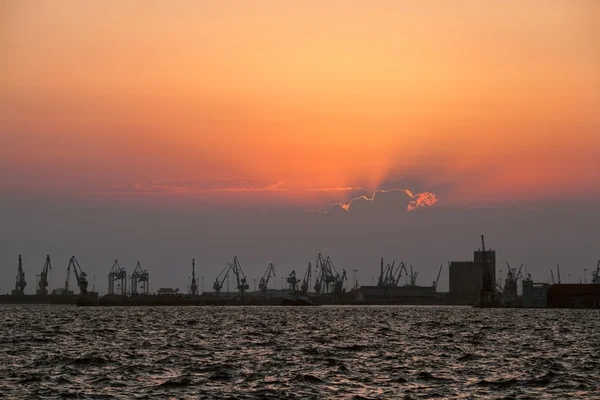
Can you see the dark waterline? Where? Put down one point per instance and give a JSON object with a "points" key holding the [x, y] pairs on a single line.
{"points": [[313, 352]]}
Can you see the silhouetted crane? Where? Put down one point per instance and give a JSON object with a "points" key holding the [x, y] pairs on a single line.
{"points": [[117, 273], [264, 281], [306, 280], [220, 279], [20, 282], [43, 283], [326, 275], [293, 281], [242, 285], [80, 276], [437, 280], [194, 284], [142, 276]]}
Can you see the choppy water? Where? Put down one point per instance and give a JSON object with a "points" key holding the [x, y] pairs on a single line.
{"points": [[280, 352]]}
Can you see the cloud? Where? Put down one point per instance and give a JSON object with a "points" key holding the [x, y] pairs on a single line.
{"points": [[385, 201]]}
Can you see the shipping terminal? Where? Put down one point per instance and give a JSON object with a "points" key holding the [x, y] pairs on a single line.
{"points": [[470, 283]]}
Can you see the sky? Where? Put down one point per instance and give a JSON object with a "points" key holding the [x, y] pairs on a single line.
{"points": [[273, 130]]}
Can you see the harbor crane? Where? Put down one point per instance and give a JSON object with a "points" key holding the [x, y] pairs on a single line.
{"points": [[220, 279], [42, 289], [142, 276], [242, 285], [306, 280], [437, 280], [413, 277], [401, 268], [558, 271], [510, 284], [194, 284], [596, 274], [264, 281], [80, 276], [293, 281], [326, 274], [338, 286], [20, 282], [117, 273]]}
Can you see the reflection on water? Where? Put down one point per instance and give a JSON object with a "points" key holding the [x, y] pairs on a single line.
{"points": [[318, 352]]}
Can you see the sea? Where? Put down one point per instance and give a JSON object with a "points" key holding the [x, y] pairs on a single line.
{"points": [[325, 352]]}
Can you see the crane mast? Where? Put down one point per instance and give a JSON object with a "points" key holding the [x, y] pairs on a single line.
{"points": [[43, 283]]}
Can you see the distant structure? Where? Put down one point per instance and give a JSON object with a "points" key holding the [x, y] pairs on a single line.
{"points": [[42, 289], [263, 285], [194, 284], [142, 277], [292, 280], [467, 277], [20, 282], [80, 277], [119, 275], [306, 281]]}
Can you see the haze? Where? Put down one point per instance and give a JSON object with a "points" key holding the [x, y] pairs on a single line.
{"points": [[160, 132]]}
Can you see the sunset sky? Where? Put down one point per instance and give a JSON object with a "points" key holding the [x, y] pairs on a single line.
{"points": [[273, 105]]}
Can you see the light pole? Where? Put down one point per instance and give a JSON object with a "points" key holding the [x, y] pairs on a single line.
{"points": [[569, 278], [585, 275], [282, 283], [355, 284], [255, 284], [202, 284]]}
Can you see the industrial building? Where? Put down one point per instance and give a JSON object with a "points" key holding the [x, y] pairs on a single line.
{"points": [[466, 277], [535, 295]]}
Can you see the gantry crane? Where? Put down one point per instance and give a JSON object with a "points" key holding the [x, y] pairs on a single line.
{"points": [[194, 284], [80, 276], [42, 289], [264, 281], [240, 277], [20, 281], [306, 280], [142, 276], [218, 285], [117, 273]]}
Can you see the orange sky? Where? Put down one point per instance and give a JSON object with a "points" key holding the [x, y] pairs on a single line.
{"points": [[231, 101]]}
